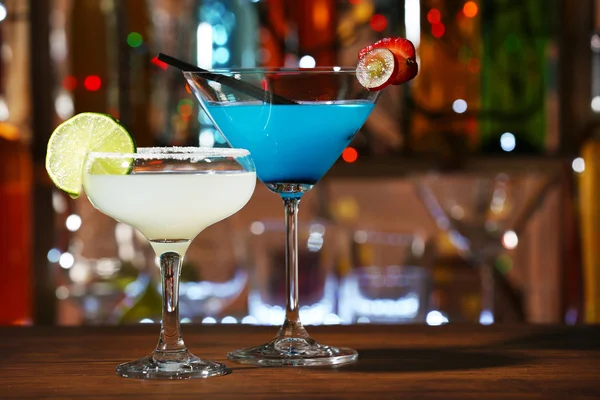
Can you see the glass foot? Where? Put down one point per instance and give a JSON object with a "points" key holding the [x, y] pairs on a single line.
{"points": [[181, 366], [294, 352]]}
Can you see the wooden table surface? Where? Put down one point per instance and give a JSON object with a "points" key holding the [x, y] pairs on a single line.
{"points": [[447, 362]]}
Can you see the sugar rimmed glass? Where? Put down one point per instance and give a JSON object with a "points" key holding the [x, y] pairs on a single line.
{"points": [[170, 195]]}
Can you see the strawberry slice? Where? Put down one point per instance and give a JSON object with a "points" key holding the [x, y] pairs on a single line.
{"points": [[390, 61]]}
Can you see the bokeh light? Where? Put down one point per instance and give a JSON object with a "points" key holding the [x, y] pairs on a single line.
{"points": [[92, 83], [459, 106], [595, 42], [307, 62], [470, 9], [578, 165], [438, 30], [134, 39], [220, 36], [64, 106], [206, 138], [596, 104], [434, 16], [185, 108], [510, 240], [221, 55], [66, 260], [436, 318], [508, 142], [69, 82], [73, 222], [504, 264], [54, 255], [378, 22], [257, 228], [350, 154], [363, 11], [250, 320], [486, 317]]}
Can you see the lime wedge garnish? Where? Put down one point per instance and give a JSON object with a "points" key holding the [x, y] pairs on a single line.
{"points": [[72, 140]]}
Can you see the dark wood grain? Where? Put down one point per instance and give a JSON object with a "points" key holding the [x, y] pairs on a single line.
{"points": [[449, 362]]}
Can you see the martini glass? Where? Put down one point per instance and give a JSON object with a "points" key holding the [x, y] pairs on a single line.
{"points": [[296, 123], [484, 214], [170, 195]]}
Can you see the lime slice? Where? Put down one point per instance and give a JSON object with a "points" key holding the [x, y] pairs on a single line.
{"points": [[72, 140]]}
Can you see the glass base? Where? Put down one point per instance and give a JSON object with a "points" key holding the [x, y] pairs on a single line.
{"points": [[293, 352], [183, 366]]}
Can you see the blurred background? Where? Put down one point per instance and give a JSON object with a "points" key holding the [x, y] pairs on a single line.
{"points": [[470, 195]]}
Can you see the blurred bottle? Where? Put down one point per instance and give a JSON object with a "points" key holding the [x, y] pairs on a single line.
{"points": [[588, 168], [16, 169], [589, 200], [15, 225], [516, 75], [487, 81]]}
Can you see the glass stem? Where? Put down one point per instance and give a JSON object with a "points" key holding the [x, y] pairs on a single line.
{"points": [[292, 327], [170, 332]]}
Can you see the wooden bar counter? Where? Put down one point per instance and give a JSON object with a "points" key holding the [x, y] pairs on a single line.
{"points": [[396, 362]]}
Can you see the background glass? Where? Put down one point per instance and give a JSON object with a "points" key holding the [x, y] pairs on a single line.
{"points": [[390, 281], [484, 214], [317, 253], [217, 275]]}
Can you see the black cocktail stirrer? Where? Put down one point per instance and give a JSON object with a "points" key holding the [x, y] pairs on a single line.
{"points": [[233, 83]]}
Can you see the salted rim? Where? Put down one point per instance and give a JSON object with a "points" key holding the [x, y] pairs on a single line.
{"points": [[174, 153]]}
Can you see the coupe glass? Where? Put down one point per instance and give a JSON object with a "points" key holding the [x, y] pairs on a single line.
{"points": [[296, 123], [170, 195]]}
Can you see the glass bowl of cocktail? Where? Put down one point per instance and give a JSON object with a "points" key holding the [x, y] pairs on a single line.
{"points": [[296, 123], [168, 194]]}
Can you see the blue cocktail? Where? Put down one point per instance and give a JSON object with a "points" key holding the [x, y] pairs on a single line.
{"points": [[296, 124], [288, 151]]}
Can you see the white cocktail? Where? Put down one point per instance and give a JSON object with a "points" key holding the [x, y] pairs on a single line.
{"points": [[146, 201]]}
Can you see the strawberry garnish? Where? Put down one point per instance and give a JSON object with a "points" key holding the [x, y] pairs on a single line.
{"points": [[390, 61]]}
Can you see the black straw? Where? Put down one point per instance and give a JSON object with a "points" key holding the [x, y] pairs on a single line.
{"points": [[233, 83]]}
